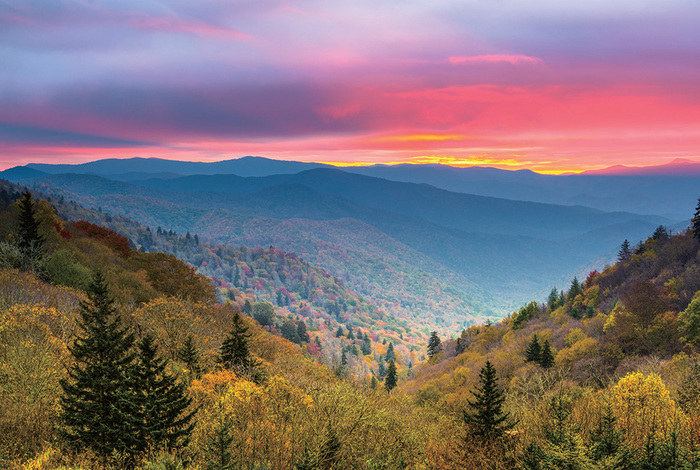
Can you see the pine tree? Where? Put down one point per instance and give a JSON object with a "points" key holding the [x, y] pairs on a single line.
{"points": [[575, 289], [553, 298], [533, 351], [607, 442], [390, 353], [247, 308], [391, 378], [218, 449], [234, 352], [189, 354], [301, 331], [366, 345], [339, 332], [487, 420], [546, 356], [695, 222], [434, 344], [625, 251], [160, 403], [29, 241], [95, 414]]}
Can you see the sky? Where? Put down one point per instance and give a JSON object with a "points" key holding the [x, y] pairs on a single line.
{"points": [[549, 85]]}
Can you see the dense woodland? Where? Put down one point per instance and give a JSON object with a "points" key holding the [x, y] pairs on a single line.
{"points": [[274, 364]]}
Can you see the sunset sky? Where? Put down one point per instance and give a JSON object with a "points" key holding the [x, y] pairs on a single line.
{"points": [[548, 85]]}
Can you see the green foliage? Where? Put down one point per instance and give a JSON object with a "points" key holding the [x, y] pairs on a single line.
{"points": [[607, 446], [525, 314], [546, 356], [487, 420], [95, 407], [234, 352], [533, 353], [624, 253], [434, 344], [28, 239], [563, 447], [160, 417], [264, 313], [190, 355], [63, 269], [391, 377], [689, 322], [695, 222]]}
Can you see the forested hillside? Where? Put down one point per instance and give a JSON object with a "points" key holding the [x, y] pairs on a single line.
{"points": [[603, 374]]}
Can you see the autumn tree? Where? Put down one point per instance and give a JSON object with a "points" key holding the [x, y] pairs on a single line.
{"points": [[95, 413], [689, 322], [391, 378], [434, 344], [487, 420]]}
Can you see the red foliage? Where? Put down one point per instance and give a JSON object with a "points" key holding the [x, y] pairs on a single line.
{"points": [[112, 239], [590, 277], [64, 233]]}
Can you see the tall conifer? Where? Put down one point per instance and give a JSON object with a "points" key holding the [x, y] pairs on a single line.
{"points": [[695, 222], [391, 378], [29, 240], [160, 402], [487, 420], [95, 414]]}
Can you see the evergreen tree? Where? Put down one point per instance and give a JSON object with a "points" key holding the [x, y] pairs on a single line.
{"points": [[373, 383], [661, 233], [218, 449], [533, 351], [95, 412], [695, 222], [189, 354], [247, 308], [390, 353], [301, 331], [553, 298], [625, 251], [339, 332], [234, 352], [381, 369], [487, 420], [607, 442], [546, 356], [391, 378], [366, 345], [160, 401], [29, 241], [434, 344], [575, 289], [350, 335]]}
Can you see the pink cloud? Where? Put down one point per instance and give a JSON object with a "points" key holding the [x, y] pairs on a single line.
{"points": [[178, 25], [495, 58]]}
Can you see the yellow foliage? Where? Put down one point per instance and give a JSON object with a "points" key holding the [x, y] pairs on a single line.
{"points": [[643, 405], [574, 337], [172, 321], [31, 364], [587, 347]]}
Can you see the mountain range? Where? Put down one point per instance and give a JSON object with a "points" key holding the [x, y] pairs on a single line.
{"points": [[416, 232]]}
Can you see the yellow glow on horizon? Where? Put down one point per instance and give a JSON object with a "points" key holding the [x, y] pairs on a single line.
{"points": [[420, 138], [462, 162]]}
